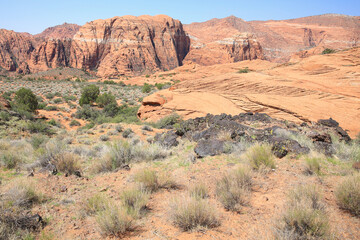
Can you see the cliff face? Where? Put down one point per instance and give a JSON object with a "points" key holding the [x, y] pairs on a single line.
{"points": [[222, 41], [63, 31], [112, 47], [279, 39]]}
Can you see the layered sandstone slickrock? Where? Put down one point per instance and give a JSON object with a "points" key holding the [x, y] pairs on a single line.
{"points": [[111, 47], [279, 40], [63, 31], [317, 87]]}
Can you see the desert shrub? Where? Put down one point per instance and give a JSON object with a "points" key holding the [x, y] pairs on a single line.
{"points": [[348, 194], [119, 128], [22, 193], [146, 88], [4, 116], [87, 112], [89, 94], [148, 179], [233, 189], [115, 221], [75, 123], [305, 216], [68, 98], [39, 126], [95, 204], [50, 95], [260, 157], [111, 82], [68, 163], [104, 138], [105, 99], [42, 105], [127, 132], [328, 51], [37, 140], [127, 114], [191, 213], [244, 70], [147, 128], [168, 121], [26, 100], [111, 110], [134, 200], [346, 151], [51, 108], [162, 85], [312, 166], [199, 191], [10, 160], [57, 100]]}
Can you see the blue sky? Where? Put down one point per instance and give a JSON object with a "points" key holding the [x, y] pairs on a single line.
{"points": [[34, 16]]}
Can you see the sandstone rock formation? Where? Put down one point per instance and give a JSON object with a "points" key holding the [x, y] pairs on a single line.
{"points": [[63, 31], [318, 87], [112, 47], [279, 39]]}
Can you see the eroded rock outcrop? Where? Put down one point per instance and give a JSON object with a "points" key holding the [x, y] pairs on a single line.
{"points": [[111, 47]]}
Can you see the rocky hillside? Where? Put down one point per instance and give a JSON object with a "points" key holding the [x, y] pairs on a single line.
{"points": [[63, 31], [279, 39], [111, 47]]}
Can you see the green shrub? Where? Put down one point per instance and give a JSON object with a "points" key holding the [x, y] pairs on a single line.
{"points": [[9, 160], [89, 94], [49, 96], [127, 132], [51, 108], [39, 126], [328, 51], [37, 140], [348, 194], [57, 100], [305, 216], [75, 123], [42, 105], [146, 88], [87, 112], [111, 110], [260, 157], [26, 99], [105, 99], [192, 213], [4, 116], [233, 190], [244, 70], [168, 121], [68, 163]]}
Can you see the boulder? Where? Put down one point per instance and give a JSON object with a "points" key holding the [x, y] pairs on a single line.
{"points": [[210, 147], [168, 139]]}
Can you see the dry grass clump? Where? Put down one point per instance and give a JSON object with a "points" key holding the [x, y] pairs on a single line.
{"points": [[134, 200], [190, 213], [305, 216], [199, 191], [148, 179], [260, 157], [152, 181], [115, 221], [348, 194], [312, 166], [10, 160], [22, 192], [68, 163], [233, 190], [97, 203]]}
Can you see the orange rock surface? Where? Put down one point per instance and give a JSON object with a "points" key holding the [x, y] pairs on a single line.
{"points": [[317, 87]]}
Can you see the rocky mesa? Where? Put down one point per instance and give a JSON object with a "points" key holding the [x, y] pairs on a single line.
{"points": [[111, 47]]}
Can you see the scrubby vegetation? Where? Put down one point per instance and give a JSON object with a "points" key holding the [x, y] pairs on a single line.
{"points": [[305, 216], [348, 194]]}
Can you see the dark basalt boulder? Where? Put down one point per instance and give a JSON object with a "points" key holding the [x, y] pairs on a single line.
{"points": [[210, 147], [282, 146], [167, 139], [328, 122]]}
